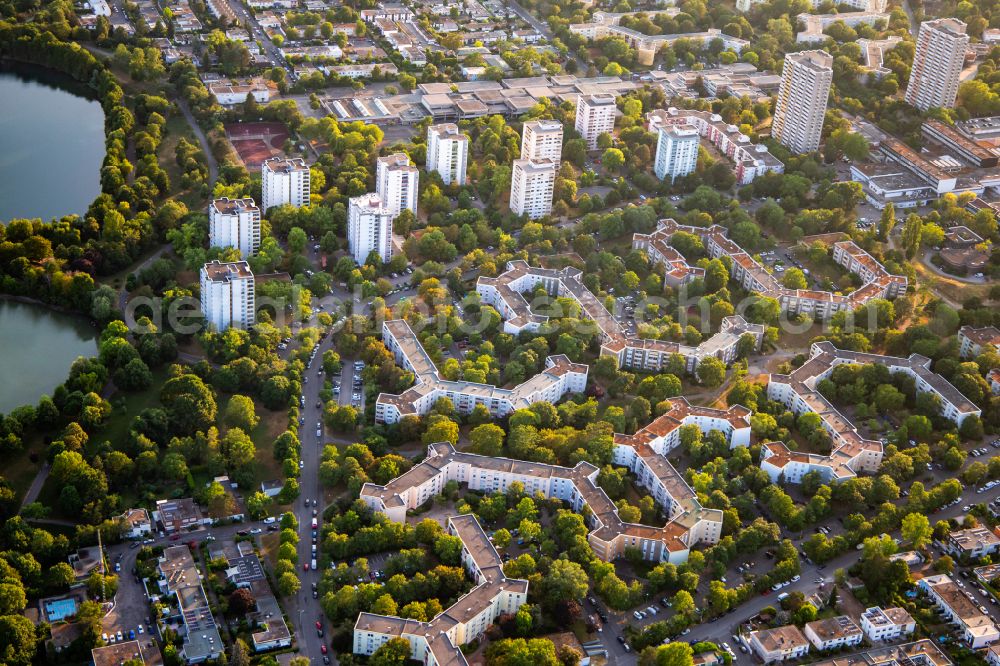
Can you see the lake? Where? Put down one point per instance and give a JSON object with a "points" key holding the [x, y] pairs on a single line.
{"points": [[37, 348], [51, 144]]}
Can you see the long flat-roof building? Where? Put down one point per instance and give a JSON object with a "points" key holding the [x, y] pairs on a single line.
{"points": [[978, 630], [851, 453], [919, 653], [369, 228], [438, 642], [284, 181], [608, 24], [802, 97], [560, 376], [227, 295], [833, 633], [779, 644], [542, 140], [180, 578], [447, 152], [595, 115], [887, 624], [397, 182], [505, 293], [937, 64], [644, 453], [532, 183], [234, 223]]}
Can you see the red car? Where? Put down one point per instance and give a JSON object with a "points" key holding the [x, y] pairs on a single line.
{"points": [[175, 537], [319, 625], [322, 648], [305, 566]]}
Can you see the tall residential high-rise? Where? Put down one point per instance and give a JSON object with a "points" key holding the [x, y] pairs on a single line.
{"points": [[542, 140], [396, 181], [284, 181], [227, 295], [447, 152], [531, 185], [676, 151], [937, 64], [802, 97], [369, 227], [595, 114], [234, 223]]}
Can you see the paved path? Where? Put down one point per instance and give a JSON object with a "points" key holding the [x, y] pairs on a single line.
{"points": [[213, 166], [36, 486]]}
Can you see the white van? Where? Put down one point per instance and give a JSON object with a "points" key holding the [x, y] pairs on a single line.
{"points": [[313, 564], [782, 596]]}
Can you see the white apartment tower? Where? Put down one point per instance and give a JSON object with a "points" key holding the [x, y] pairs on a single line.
{"points": [[447, 152], [531, 185], [369, 227], [234, 223], [937, 64], [802, 97], [284, 181], [676, 151], [227, 295], [595, 114], [396, 181], [542, 140]]}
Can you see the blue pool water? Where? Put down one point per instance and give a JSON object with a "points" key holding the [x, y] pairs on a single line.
{"points": [[60, 609]]}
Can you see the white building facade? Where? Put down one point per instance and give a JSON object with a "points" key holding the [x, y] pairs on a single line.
{"points": [[595, 115], [284, 181], [227, 295], [676, 152], [937, 64], [234, 223], [531, 187], [802, 98], [542, 140], [369, 228], [447, 152], [396, 181]]}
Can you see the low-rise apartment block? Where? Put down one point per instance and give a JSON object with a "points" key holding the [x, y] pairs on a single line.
{"points": [[851, 453], [178, 515], [887, 624], [505, 293], [559, 378], [974, 341], [973, 543], [977, 629], [752, 276], [780, 644], [438, 642], [919, 653], [179, 577], [644, 453], [833, 633], [230, 93], [607, 24]]}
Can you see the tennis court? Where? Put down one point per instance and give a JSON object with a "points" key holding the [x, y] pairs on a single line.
{"points": [[256, 142]]}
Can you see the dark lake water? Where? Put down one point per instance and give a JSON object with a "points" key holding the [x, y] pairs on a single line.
{"points": [[37, 347], [51, 144]]}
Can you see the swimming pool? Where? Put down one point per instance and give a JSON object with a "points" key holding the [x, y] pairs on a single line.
{"points": [[60, 609]]}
